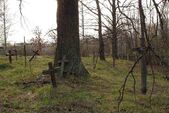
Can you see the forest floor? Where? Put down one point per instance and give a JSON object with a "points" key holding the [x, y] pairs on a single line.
{"points": [[97, 93]]}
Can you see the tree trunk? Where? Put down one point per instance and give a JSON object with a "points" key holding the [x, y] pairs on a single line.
{"points": [[101, 43], [68, 44], [114, 33], [4, 25], [142, 44]]}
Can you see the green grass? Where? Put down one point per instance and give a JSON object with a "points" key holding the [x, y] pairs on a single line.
{"points": [[95, 94]]}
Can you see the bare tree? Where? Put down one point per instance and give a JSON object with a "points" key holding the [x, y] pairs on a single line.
{"points": [[142, 43], [4, 18], [1, 19], [101, 43], [4, 23], [37, 41], [114, 32]]}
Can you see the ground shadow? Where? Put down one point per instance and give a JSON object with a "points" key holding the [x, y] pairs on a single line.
{"points": [[5, 67]]}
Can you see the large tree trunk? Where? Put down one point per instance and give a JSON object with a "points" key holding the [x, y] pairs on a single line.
{"points": [[68, 37], [101, 43], [142, 44]]}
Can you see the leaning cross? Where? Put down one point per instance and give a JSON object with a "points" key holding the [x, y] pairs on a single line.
{"points": [[10, 56], [51, 71], [35, 53]]}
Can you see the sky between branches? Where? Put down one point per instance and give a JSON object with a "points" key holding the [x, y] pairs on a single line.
{"points": [[40, 13]]}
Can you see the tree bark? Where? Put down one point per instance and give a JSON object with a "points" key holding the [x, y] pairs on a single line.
{"points": [[142, 44], [68, 44], [101, 43], [4, 25], [114, 33]]}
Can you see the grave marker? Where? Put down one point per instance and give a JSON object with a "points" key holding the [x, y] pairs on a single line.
{"points": [[9, 54], [62, 65], [35, 53], [51, 71]]}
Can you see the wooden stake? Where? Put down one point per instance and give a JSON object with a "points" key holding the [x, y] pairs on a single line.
{"points": [[10, 56], [25, 52]]}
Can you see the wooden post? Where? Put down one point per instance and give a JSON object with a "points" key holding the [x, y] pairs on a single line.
{"points": [[10, 56], [52, 74], [25, 51]]}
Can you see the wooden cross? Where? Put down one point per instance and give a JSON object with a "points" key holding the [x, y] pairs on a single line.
{"points": [[10, 56], [51, 71], [62, 65], [35, 53], [15, 52]]}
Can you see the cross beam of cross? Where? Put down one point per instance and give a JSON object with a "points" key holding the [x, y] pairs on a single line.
{"points": [[35, 53]]}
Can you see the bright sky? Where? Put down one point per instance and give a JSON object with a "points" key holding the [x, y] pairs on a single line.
{"points": [[40, 13]]}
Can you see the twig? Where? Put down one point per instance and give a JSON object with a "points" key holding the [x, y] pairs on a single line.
{"points": [[134, 86], [20, 7], [122, 89]]}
